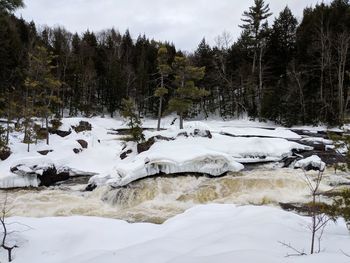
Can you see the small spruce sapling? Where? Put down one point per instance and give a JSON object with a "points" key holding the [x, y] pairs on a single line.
{"points": [[134, 123]]}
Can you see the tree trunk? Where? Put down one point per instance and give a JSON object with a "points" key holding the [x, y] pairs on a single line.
{"points": [[47, 130], [260, 83], [313, 222], [181, 121], [159, 112]]}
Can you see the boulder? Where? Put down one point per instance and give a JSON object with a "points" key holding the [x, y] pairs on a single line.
{"points": [[125, 154], [50, 176], [145, 146], [46, 173], [90, 187], [313, 162], [182, 134], [83, 143], [4, 154], [62, 133], [45, 152], [202, 133], [76, 150]]}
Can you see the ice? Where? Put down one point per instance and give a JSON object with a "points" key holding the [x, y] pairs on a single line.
{"points": [[214, 156]]}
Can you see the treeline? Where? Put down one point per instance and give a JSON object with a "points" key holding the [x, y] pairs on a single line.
{"points": [[288, 72]]}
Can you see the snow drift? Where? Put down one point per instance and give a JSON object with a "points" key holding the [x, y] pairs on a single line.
{"points": [[204, 234]]}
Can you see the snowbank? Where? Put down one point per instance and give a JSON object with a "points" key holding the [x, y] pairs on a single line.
{"points": [[204, 234], [170, 158], [214, 156]]}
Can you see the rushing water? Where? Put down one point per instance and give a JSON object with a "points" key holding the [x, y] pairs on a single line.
{"points": [[159, 198]]}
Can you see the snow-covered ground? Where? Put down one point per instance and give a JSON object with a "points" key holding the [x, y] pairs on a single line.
{"points": [[204, 234]]}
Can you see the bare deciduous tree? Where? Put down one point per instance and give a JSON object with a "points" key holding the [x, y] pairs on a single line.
{"points": [[319, 219], [4, 241]]}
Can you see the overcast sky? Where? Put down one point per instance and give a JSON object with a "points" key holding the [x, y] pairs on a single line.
{"points": [[184, 22]]}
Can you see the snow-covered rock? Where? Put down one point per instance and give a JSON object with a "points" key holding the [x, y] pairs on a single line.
{"points": [[260, 132], [214, 156], [311, 163]]}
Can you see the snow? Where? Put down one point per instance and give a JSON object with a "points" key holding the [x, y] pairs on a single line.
{"points": [[214, 156], [274, 133], [312, 161], [98, 158], [203, 234], [171, 157], [317, 140]]}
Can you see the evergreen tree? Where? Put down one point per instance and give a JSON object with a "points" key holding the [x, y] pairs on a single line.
{"points": [[42, 86], [164, 70], [204, 57], [281, 51], [256, 27], [9, 6], [134, 122], [186, 90]]}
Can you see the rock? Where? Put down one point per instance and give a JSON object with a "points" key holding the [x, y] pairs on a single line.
{"points": [[202, 133], [83, 143], [125, 154], [163, 138], [46, 173], [62, 133], [76, 150], [182, 134], [50, 176], [330, 157], [90, 187], [145, 146], [4, 154], [45, 152], [313, 162], [289, 160], [83, 126]]}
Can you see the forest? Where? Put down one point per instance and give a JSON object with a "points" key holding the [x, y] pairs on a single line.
{"points": [[284, 70]]}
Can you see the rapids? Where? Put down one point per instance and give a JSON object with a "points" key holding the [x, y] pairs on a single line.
{"points": [[156, 199]]}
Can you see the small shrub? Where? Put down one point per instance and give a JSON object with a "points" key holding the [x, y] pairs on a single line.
{"points": [[55, 123]]}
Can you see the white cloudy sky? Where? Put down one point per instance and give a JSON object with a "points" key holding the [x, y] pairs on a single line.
{"points": [[184, 22]]}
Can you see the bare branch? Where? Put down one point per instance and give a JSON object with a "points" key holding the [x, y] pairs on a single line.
{"points": [[298, 252]]}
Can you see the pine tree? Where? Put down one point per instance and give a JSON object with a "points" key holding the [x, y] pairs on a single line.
{"points": [[255, 24], [164, 70], [186, 91], [281, 51], [204, 57], [42, 85]]}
